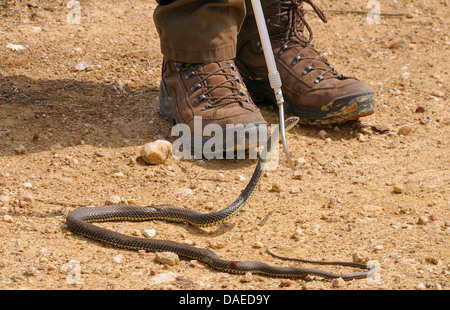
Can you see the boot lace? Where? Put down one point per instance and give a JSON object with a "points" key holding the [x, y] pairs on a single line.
{"points": [[211, 97], [291, 25]]}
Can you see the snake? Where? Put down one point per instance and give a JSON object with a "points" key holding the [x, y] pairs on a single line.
{"points": [[81, 221]]}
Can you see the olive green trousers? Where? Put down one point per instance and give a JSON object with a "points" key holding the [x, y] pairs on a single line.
{"points": [[198, 31]]}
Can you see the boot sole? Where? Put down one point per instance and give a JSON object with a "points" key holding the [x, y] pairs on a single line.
{"points": [[228, 144], [340, 110]]}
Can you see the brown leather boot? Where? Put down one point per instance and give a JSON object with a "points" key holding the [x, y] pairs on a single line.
{"points": [[312, 88], [209, 93]]}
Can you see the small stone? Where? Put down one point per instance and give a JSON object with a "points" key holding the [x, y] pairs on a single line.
{"points": [[300, 161], [423, 220], [399, 188], [338, 282], [118, 258], [2, 263], [381, 128], [298, 175], [322, 134], [258, 245], [7, 218], [184, 191], [371, 208], [113, 200], [156, 152], [220, 177], [82, 66], [248, 277], [421, 108], [378, 247], [30, 271], [136, 232], [420, 286], [21, 150], [276, 188], [294, 190], [404, 130], [397, 43], [27, 185], [149, 233], [285, 283], [438, 93], [240, 177], [359, 257], [167, 258], [361, 137], [56, 147]]}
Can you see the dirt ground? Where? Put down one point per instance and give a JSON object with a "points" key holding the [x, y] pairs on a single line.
{"points": [[80, 100]]}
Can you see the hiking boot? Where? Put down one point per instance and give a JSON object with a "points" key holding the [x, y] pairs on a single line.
{"points": [[203, 94], [312, 88]]}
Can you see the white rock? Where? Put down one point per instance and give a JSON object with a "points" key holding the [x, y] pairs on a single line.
{"points": [[220, 177], [27, 185], [15, 47], [156, 152], [7, 218], [164, 278], [149, 233], [167, 258], [118, 258]]}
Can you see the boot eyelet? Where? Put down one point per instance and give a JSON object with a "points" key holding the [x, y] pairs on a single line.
{"points": [[187, 76], [258, 45], [241, 92], [318, 79], [200, 98], [195, 87], [237, 79], [296, 60], [283, 49], [232, 67], [206, 107], [331, 67], [307, 70]]}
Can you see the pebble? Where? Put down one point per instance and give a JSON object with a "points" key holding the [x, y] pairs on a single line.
{"points": [[81, 66], [164, 278], [149, 233], [167, 258], [338, 282], [438, 93], [404, 130], [258, 245], [27, 185], [2, 263], [156, 152], [220, 177], [359, 257], [276, 188], [184, 191], [21, 150], [7, 218], [113, 200], [371, 208], [240, 177], [322, 134], [422, 220], [397, 43], [398, 188], [421, 108], [118, 258], [30, 271], [15, 47], [294, 190]]}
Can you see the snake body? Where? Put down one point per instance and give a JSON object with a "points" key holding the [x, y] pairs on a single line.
{"points": [[80, 222]]}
